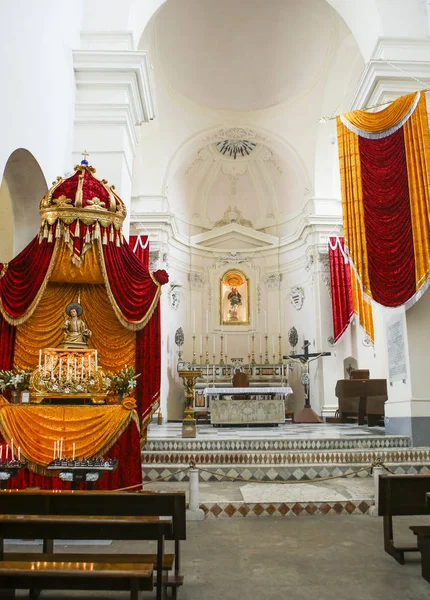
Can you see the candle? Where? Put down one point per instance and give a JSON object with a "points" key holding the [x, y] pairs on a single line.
{"points": [[249, 345], [19, 453], [61, 448], [201, 344], [82, 371], [260, 345], [207, 321], [44, 367], [213, 344], [73, 451], [52, 368], [97, 360], [55, 450], [273, 344], [11, 447], [60, 368], [1, 454], [226, 345], [265, 322], [279, 321], [194, 323], [7, 452], [40, 359], [252, 320]]}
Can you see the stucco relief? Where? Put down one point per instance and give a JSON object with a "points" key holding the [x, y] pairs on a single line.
{"points": [[233, 215], [273, 281], [297, 297], [196, 280]]}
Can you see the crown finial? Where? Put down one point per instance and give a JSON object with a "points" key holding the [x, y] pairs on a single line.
{"points": [[84, 160]]}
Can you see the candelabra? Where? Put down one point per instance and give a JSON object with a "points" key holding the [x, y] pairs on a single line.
{"points": [[221, 359], [194, 349], [207, 349], [266, 360], [252, 349]]}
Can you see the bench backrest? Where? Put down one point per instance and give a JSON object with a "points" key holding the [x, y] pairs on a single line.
{"points": [[149, 504], [403, 494]]}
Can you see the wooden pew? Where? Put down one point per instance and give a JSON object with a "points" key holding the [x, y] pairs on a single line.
{"points": [[41, 572], [161, 504], [401, 495]]}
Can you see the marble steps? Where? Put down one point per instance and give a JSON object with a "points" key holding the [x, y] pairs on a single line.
{"points": [[246, 444]]}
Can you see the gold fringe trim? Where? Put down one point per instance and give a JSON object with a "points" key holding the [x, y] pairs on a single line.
{"points": [[34, 304], [133, 325], [4, 269]]}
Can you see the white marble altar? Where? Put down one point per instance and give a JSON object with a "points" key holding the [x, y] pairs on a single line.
{"points": [[247, 412]]}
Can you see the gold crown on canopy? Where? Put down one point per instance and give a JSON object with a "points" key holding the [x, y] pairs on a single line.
{"points": [[84, 197]]}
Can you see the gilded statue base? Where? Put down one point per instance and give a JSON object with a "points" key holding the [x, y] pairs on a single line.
{"points": [[73, 346]]}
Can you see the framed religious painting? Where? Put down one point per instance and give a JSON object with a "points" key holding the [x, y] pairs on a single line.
{"points": [[234, 298]]}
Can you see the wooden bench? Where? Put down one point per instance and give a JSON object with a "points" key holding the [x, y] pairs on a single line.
{"points": [[423, 538], [401, 495], [48, 573], [162, 504]]}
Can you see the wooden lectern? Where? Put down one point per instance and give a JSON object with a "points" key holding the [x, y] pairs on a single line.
{"points": [[361, 397]]}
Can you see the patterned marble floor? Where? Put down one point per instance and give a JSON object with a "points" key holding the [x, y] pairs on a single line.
{"points": [[171, 431]]}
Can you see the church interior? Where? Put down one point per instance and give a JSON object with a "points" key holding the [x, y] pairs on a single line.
{"points": [[214, 262]]}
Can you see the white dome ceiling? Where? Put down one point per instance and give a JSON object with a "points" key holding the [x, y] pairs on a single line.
{"points": [[243, 56]]}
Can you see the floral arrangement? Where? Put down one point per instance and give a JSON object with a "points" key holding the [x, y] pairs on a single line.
{"points": [[122, 381], [15, 380]]}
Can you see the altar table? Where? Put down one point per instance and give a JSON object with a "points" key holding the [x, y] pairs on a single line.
{"points": [[111, 431], [252, 411]]}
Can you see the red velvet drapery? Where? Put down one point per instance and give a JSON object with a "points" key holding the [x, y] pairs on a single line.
{"points": [[7, 344], [148, 363], [387, 217], [341, 293], [140, 246], [135, 291], [23, 277], [129, 472]]}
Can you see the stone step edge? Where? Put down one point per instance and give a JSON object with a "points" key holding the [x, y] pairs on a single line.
{"points": [[240, 510], [403, 449]]}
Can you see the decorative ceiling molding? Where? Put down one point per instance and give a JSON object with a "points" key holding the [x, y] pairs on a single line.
{"points": [[235, 148], [233, 215], [237, 133]]}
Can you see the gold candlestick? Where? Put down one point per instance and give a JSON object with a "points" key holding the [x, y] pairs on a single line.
{"points": [[194, 349], [252, 349], [266, 360], [274, 357], [261, 359], [201, 359], [249, 360], [189, 380], [280, 348], [221, 359]]}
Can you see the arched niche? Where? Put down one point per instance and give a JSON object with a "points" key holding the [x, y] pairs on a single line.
{"points": [[349, 364], [22, 187]]}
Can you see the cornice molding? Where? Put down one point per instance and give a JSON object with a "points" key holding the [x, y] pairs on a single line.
{"points": [[103, 71], [107, 40]]}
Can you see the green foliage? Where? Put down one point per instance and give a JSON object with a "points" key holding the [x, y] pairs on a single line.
{"points": [[122, 381]]}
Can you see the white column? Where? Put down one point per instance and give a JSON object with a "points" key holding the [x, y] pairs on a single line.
{"points": [[194, 513]]}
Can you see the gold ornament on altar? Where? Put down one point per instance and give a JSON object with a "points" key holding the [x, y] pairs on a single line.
{"points": [[76, 333]]}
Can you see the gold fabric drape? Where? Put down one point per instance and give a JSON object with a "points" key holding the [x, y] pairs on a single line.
{"points": [[67, 271], [93, 429], [383, 119], [116, 345]]}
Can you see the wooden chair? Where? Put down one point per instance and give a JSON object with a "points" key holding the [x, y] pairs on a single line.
{"points": [[240, 380]]}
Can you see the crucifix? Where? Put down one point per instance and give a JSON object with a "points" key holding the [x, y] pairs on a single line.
{"points": [[307, 415]]}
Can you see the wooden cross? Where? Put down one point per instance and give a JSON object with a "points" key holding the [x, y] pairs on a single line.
{"points": [[307, 415]]}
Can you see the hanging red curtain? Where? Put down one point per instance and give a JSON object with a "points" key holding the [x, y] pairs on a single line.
{"points": [[23, 280], [385, 183], [133, 290], [7, 344], [148, 363], [340, 279], [140, 246]]}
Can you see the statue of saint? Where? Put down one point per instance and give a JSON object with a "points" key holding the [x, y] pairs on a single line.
{"points": [[235, 299], [76, 332]]}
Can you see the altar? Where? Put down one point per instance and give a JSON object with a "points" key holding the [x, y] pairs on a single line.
{"points": [[247, 406]]}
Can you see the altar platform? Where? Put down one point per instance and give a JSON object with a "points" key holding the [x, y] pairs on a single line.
{"points": [[308, 455]]}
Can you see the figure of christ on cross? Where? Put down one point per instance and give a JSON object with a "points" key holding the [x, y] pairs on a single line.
{"points": [[307, 415]]}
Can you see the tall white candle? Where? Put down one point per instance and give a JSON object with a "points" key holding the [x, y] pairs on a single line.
{"points": [[260, 345], [201, 344], [7, 452], [1, 453], [73, 451], [279, 321], [207, 321], [265, 322], [55, 450], [11, 447], [40, 359], [273, 344], [44, 367], [19, 453], [194, 322], [97, 360], [249, 345], [213, 344], [61, 448], [226, 344]]}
